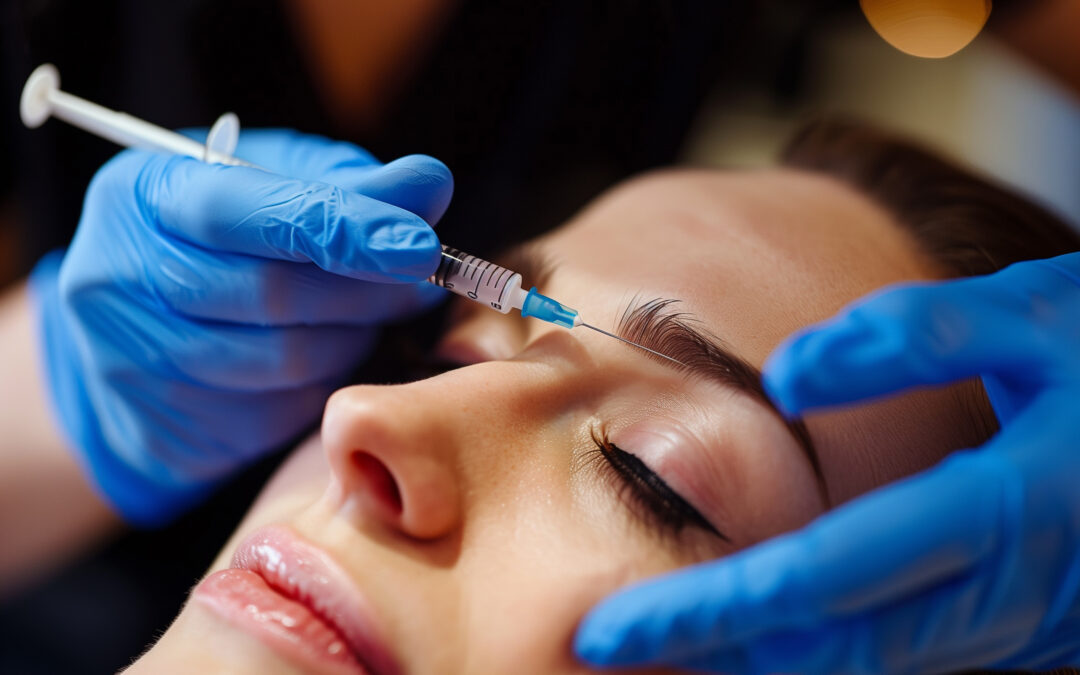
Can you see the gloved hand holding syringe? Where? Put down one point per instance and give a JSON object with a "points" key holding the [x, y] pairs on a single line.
{"points": [[466, 275], [205, 309]]}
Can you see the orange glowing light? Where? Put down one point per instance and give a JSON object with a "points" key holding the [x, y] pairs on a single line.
{"points": [[931, 29]]}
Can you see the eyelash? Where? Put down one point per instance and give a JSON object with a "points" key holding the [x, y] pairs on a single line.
{"points": [[651, 496]]}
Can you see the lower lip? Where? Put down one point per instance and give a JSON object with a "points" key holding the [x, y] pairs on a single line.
{"points": [[290, 628]]}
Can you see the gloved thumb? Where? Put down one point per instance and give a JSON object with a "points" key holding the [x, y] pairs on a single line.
{"points": [[928, 334], [416, 183], [248, 211], [419, 184]]}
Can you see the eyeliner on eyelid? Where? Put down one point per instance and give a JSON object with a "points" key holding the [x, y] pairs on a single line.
{"points": [[653, 497]]}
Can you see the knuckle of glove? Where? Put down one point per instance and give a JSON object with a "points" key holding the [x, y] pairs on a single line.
{"points": [[119, 172], [327, 224], [111, 185], [945, 329], [183, 287]]}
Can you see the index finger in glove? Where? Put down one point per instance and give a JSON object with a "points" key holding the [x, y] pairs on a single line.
{"points": [[235, 288], [416, 183], [927, 334], [243, 210]]}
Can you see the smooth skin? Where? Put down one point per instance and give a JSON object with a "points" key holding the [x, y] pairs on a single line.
{"points": [[510, 527]]}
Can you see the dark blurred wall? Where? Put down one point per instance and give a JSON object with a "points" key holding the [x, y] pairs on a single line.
{"points": [[535, 106]]}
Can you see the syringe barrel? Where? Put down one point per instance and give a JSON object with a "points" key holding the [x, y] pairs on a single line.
{"points": [[477, 279]]}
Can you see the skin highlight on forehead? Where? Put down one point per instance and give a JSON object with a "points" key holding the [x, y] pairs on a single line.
{"points": [[778, 248], [759, 255]]}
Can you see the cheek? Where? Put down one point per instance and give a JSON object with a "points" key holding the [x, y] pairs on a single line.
{"points": [[526, 602], [537, 560], [528, 625]]}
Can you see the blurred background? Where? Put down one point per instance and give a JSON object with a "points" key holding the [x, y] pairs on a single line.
{"points": [[535, 106]]}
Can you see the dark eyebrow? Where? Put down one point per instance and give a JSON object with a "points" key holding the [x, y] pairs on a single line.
{"points": [[679, 335], [657, 325]]}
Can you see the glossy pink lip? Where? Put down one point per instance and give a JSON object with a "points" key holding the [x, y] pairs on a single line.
{"points": [[297, 600]]}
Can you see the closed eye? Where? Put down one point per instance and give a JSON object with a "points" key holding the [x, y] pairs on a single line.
{"points": [[652, 497]]}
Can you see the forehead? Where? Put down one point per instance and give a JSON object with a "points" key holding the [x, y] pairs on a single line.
{"points": [[755, 255]]}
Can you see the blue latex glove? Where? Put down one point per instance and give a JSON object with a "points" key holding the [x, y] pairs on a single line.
{"points": [[975, 562], [203, 313]]}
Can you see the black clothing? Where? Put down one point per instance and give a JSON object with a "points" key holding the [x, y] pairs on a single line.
{"points": [[534, 106]]}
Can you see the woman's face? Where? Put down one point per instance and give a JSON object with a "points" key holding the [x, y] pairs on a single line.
{"points": [[468, 521]]}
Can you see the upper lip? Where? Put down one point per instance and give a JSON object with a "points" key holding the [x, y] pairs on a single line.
{"points": [[307, 574]]}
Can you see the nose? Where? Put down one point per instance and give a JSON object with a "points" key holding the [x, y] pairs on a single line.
{"points": [[390, 463], [414, 457], [409, 456]]}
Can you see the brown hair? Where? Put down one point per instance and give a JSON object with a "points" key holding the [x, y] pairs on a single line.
{"points": [[967, 224]]}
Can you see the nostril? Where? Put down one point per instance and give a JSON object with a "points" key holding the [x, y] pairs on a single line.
{"points": [[378, 479]]}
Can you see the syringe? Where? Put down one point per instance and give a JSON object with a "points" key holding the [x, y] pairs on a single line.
{"points": [[42, 98], [500, 289], [468, 276]]}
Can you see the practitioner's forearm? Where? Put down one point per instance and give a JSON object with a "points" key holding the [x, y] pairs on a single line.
{"points": [[48, 510]]}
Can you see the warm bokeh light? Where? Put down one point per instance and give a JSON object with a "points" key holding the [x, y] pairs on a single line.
{"points": [[928, 28]]}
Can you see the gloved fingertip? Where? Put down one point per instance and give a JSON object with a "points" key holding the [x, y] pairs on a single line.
{"points": [[404, 250], [417, 183], [420, 170], [618, 634], [600, 640], [780, 379], [781, 392], [820, 366], [406, 235]]}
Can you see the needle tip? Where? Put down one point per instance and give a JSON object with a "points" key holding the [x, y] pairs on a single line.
{"points": [[631, 343]]}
